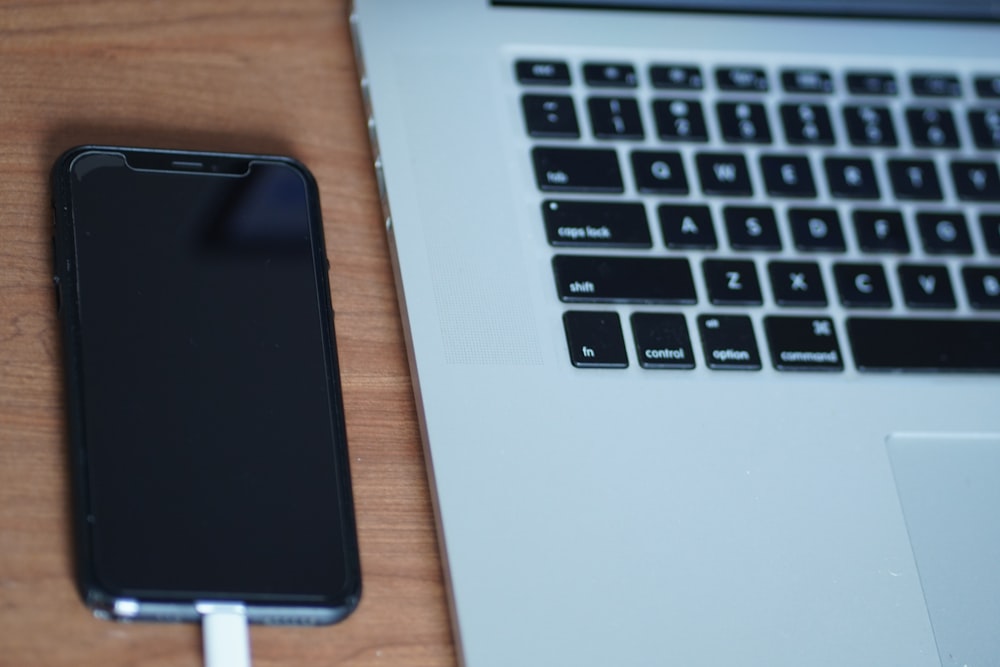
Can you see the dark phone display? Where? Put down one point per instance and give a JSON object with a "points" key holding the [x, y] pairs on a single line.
{"points": [[211, 433]]}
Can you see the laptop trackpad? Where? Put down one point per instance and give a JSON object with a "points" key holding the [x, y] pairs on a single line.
{"points": [[949, 489]]}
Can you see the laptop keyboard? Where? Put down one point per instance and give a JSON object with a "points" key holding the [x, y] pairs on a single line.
{"points": [[797, 218]]}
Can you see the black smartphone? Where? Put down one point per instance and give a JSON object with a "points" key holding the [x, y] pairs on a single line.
{"points": [[206, 426]]}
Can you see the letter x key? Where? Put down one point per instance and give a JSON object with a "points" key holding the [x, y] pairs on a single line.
{"points": [[797, 284]]}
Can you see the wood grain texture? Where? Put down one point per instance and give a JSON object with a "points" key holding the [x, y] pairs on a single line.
{"points": [[248, 75]]}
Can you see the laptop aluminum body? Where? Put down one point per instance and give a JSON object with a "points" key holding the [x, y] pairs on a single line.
{"points": [[636, 516]]}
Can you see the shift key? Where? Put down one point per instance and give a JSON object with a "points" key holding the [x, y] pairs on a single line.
{"points": [[591, 278]]}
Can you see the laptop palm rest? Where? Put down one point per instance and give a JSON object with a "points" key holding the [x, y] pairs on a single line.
{"points": [[949, 489]]}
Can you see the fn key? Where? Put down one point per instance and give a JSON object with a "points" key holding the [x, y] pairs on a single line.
{"points": [[595, 339]]}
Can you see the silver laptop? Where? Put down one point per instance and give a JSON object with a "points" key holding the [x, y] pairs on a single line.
{"points": [[703, 307]]}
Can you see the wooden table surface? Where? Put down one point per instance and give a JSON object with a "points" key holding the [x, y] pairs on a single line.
{"points": [[270, 76]]}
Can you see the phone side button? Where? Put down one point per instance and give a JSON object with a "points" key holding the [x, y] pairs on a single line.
{"points": [[57, 285]]}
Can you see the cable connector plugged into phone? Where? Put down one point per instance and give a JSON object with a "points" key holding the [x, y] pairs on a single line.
{"points": [[225, 634]]}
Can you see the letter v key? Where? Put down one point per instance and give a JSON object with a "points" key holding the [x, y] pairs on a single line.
{"points": [[926, 286], [928, 283]]}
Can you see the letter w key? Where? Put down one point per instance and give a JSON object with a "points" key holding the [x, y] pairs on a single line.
{"points": [[724, 174]]}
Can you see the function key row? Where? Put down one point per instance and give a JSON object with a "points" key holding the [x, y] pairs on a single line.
{"points": [[623, 225], [749, 79], [804, 123], [794, 284], [597, 170]]}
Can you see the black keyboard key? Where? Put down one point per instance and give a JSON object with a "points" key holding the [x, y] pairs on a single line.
{"points": [[752, 228], [679, 120], [732, 282], [816, 229], [787, 176], [550, 116], [662, 341], [744, 122], [932, 127], [988, 86], [577, 170], [724, 174], [982, 286], [990, 225], [623, 279], [926, 286], [797, 284], [687, 227], [807, 80], [872, 83], [881, 231], [542, 72], [914, 179], [610, 75], [615, 118], [676, 77], [985, 124], [976, 181], [742, 79], [803, 344], [944, 233], [851, 178], [935, 85], [807, 124], [595, 339], [862, 285], [925, 344], [728, 342], [658, 172], [596, 224], [870, 126]]}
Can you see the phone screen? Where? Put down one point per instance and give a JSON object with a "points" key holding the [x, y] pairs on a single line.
{"points": [[206, 419]]}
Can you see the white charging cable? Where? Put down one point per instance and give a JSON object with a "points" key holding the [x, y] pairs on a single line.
{"points": [[225, 634]]}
